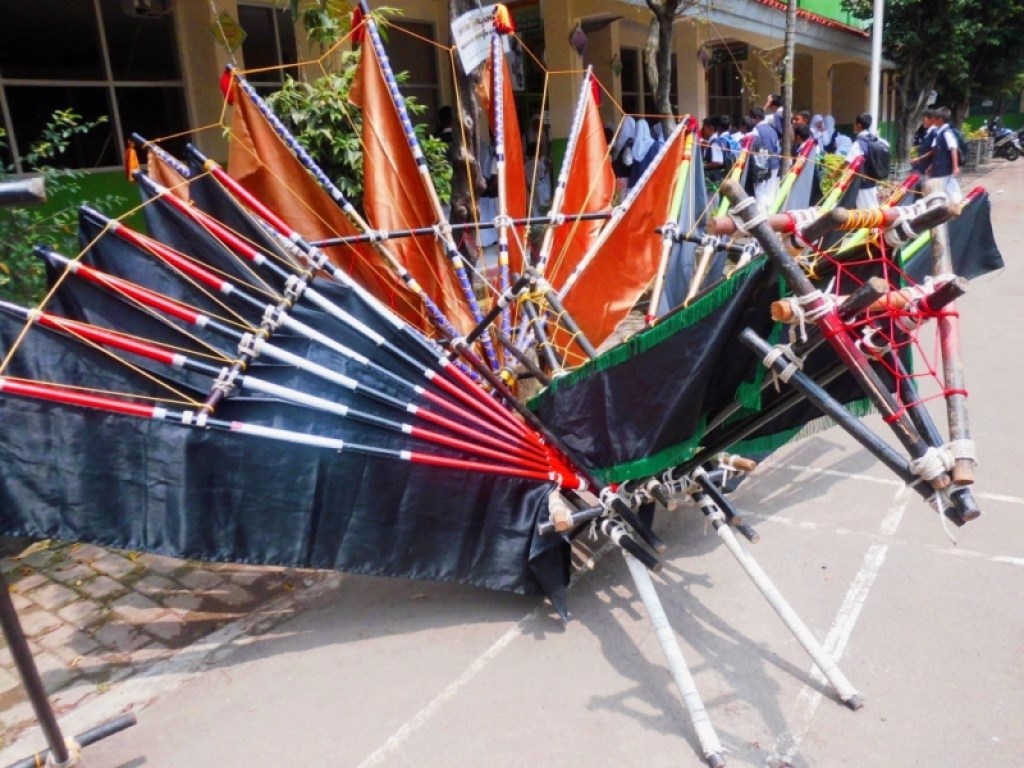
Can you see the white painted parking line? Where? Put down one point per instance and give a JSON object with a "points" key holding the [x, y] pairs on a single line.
{"points": [[417, 721], [809, 698], [945, 549], [830, 473], [1007, 498]]}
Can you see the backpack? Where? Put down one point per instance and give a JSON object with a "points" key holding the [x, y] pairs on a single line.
{"points": [[876, 157], [760, 168], [730, 149]]}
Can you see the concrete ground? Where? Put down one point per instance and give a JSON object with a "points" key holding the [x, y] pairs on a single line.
{"points": [[355, 671]]}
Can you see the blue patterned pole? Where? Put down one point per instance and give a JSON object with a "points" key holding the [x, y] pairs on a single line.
{"points": [[558, 199], [174, 163], [443, 227], [498, 105], [525, 335]]}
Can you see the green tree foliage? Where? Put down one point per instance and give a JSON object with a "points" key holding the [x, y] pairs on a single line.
{"points": [[323, 120], [995, 62], [22, 275], [947, 44]]}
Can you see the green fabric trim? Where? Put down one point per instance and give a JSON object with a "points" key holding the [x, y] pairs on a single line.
{"points": [[759, 446], [748, 393], [678, 320], [652, 465], [762, 446]]}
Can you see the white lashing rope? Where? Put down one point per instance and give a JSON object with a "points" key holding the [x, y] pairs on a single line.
{"points": [[937, 500], [932, 464], [801, 315], [963, 449], [74, 756], [778, 352]]}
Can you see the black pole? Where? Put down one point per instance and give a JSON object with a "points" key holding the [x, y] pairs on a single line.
{"points": [[84, 739], [543, 343], [394, 234], [832, 328], [522, 357], [831, 407], [29, 673], [700, 477], [566, 319]]}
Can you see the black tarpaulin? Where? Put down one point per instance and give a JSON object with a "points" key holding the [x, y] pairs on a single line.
{"points": [[76, 474], [642, 407]]}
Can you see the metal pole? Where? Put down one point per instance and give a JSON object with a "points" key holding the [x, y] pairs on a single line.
{"points": [[877, 25], [699, 718], [714, 509], [30, 678]]}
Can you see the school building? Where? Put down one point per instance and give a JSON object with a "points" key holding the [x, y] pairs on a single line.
{"points": [[153, 66]]}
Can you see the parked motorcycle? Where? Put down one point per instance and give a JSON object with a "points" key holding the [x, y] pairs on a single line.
{"points": [[1006, 143]]}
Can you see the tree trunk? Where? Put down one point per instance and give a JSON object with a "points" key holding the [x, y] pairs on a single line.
{"points": [[468, 182], [663, 97], [913, 87], [787, 85]]}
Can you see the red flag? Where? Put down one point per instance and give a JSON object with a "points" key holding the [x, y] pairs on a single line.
{"points": [[394, 195], [358, 32], [227, 86], [264, 165]]}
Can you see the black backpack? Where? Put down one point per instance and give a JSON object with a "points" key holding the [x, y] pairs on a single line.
{"points": [[759, 162], [876, 157]]}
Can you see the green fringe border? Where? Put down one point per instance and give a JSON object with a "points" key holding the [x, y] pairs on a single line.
{"points": [[748, 393], [658, 462], [762, 446], [757, 447]]}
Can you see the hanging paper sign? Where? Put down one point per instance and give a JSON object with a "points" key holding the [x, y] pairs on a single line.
{"points": [[227, 32], [472, 34]]}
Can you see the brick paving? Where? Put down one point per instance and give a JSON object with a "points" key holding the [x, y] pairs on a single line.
{"points": [[94, 616]]}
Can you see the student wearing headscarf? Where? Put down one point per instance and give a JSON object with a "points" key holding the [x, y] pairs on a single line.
{"points": [[645, 149], [823, 129], [622, 149]]}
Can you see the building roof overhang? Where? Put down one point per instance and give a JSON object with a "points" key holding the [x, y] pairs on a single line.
{"points": [[764, 25]]}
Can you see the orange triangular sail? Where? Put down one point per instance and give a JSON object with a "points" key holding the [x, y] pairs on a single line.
{"points": [[266, 167], [589, 188], [620, 267], [394, 195]]}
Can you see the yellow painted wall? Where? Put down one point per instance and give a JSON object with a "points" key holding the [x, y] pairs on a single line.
{"points": [[849, 91], [202, 61], [844, 93], [803, 82]]}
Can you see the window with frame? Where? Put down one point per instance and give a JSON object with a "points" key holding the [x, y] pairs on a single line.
{"points": [[269, 49], [113, 58], [637, 94]]}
